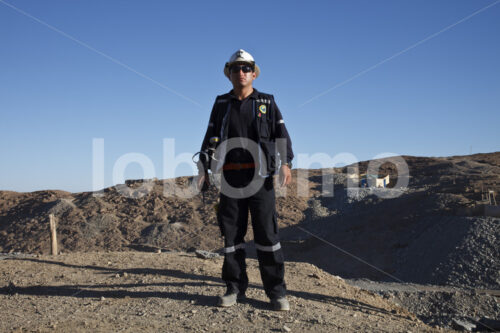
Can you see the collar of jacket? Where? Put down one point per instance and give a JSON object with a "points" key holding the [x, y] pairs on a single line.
{"points": [[254, 94]]}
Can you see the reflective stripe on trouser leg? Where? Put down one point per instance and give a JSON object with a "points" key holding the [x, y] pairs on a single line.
{"points": [[271, 248], [233, 248]]}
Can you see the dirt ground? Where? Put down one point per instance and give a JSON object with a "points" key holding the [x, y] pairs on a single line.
{"points": [[176, 292], [441, 305]]}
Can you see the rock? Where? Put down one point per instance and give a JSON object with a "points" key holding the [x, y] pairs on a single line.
{"points": [[265, 315], [206, 254], [489, 324], [462, 325], [286, 329]]}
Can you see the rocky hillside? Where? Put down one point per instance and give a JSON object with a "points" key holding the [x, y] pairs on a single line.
{"points": [[435, 231]]}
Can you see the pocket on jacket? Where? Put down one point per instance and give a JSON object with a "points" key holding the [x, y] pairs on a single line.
{"points": [[269, 149], [264, 126]]}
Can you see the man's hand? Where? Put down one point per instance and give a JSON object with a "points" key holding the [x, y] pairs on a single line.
{"points": [[203, 181], [285, 175]]}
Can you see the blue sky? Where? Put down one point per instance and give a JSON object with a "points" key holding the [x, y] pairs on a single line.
{"points": [[151, 70]]}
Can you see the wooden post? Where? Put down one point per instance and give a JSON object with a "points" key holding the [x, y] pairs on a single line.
{"points": [[53, 233], [491, 194]]}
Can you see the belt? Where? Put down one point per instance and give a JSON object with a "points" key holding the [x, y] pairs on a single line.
{"points": [[238, 166]]}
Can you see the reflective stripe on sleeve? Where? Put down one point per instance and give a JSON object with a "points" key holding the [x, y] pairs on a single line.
{"points": [[281, 121], [234, 248], [272, 248]]}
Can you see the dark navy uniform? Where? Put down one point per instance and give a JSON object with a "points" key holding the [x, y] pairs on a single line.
{"points": [[256, 118]]}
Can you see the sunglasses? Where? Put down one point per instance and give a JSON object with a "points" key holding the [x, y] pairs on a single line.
{"points": [[244, 68]]}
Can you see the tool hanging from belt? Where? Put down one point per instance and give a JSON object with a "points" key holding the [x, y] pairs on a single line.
{"points": [[205, 159]]}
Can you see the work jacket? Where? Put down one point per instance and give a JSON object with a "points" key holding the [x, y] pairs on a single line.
{"points": [[269, 127]]}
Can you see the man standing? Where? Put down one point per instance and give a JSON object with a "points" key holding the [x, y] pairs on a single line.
{"points": [[252, 134]]}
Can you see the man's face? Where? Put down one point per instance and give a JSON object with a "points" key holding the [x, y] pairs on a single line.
{"points": [[241, 75]]}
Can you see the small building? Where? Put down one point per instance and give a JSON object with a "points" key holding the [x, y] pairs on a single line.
{"points": [[373, 180], [382, 182]]}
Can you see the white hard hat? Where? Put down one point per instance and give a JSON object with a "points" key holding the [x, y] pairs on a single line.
{"points": [[241, 56]]}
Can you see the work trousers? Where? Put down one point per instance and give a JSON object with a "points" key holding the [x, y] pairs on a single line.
{"points": [[233, 220]]}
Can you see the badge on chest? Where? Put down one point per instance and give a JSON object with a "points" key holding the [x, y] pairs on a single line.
{"points": [[262, 110]]}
